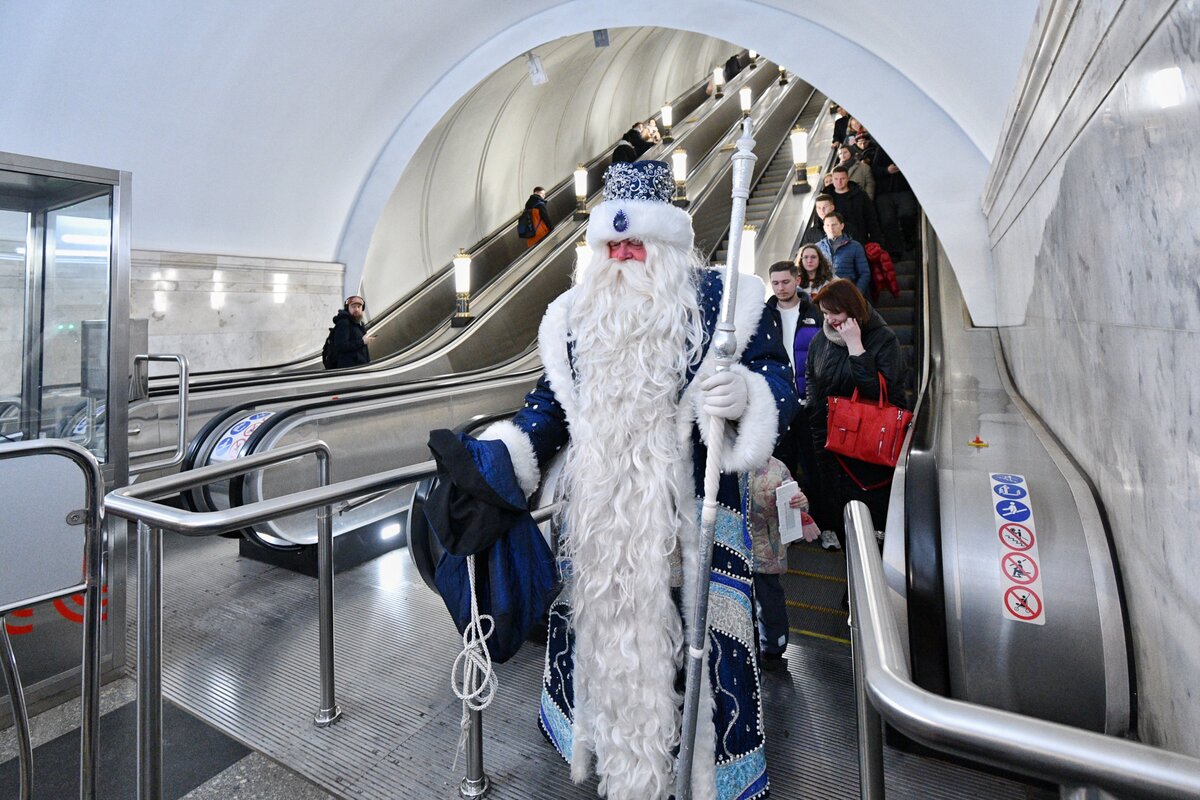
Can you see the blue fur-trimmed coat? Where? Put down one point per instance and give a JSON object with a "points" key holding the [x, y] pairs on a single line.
{"points": [[735, 740]]}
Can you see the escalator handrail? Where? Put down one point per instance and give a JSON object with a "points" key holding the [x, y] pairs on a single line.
{"points": [[1073, 757]]}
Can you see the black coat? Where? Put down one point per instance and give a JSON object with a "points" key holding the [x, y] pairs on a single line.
{"points": [[840, 127], [832, 372], [887, 182], [815, 231], [862, 225], [349, 349]]}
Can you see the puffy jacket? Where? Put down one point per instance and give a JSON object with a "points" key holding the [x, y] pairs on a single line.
{"points": [[883, 272], [808, 325], [849, 261], [832, 372]]}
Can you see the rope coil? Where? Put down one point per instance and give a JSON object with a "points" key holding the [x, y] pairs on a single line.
{"points": [[471, 677]]}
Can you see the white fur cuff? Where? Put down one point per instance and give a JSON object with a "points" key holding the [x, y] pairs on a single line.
{"points": [[520, 452], [748, 445]]}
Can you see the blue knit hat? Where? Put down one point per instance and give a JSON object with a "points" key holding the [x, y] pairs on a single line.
{"points": [[637, 205]]}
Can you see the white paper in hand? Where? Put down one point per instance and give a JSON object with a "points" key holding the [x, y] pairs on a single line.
{"points": [[791, 526]]}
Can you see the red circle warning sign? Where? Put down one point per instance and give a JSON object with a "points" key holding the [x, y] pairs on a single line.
{"points": [[1016, 536], [1023, 603], [1019, 568]]}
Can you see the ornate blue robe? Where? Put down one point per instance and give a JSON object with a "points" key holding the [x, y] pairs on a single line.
{"points": [[738, 749]]}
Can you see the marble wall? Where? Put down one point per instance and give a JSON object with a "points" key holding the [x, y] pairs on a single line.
{"points": [[1094, 229], [226, 312]]}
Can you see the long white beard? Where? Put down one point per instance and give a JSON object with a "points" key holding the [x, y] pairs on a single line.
{"points": [[636, 326]]}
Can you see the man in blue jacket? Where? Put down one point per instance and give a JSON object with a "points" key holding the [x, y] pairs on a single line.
{"points": [[847, 256]]}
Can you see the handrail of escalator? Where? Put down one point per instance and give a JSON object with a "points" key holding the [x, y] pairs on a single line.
{"points": [[924, 577], [1077, 759]]}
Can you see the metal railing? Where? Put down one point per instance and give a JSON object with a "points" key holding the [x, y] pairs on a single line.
{"points": [[1079, 761], [93, 537], [136, 503], [140, 368]]}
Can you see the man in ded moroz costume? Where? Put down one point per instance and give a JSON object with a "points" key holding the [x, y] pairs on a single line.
{"points": [[627, 394]]}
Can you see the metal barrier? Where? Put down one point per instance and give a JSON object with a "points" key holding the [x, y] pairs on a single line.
{"points": [[1080, 761], [93, 544], [136, 503], [140, 366]]}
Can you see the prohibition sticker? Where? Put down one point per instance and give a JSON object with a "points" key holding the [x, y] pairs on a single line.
{"points": [[1019, 568], [1016, 536], [1023, 603]]}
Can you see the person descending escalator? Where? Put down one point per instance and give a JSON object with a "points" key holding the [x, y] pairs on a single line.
{"points": [[347, 343]]}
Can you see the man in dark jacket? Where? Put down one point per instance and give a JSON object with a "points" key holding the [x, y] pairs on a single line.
{"points": [[349, 335], [899, 215], [542, 224], [840, 124], [855, 206], [800, 321], [632, 145], [815, 231]]}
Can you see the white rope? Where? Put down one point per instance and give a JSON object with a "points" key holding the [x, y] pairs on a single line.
{"points": [[471, 677]]}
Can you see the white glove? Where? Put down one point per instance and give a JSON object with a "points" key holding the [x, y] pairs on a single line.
{"points": [[724, 395]]}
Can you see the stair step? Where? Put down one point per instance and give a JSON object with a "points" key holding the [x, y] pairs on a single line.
{"points": [[906, 281], [904, 334], [898, 316], [907, 299]]}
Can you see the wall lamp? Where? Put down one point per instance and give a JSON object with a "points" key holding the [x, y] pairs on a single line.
{"points": [[753, 59], [581, 176], [799, 138], [718, 82], [782, 76], [667, 119], [679, 171], [746, 99], [462, 291]]}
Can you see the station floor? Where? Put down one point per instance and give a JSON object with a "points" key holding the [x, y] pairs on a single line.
{"points": [[240, 677]]}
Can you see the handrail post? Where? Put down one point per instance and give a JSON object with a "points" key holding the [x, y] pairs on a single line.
{"points": [[182, 411], [329, 712], [476, 784], [870, 737], [93, 616], [149, 663], [16, 697]]}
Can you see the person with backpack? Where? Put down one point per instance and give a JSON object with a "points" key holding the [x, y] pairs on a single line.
{"points": [[347, 342], [535, 224]]}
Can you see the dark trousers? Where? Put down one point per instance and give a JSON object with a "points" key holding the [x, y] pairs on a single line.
{"points": [[772, 613], [842, 489], [899, 217]]}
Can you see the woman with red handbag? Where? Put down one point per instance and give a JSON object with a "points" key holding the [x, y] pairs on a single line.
{"points": [[853, 385]]}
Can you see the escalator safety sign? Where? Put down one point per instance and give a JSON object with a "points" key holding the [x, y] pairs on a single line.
{"points": [[1020, 585]]}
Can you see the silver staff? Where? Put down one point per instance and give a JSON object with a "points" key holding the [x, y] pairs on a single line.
{"points": [[724, 343]]}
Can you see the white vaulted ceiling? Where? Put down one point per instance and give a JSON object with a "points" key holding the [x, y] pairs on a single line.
{"points": [[282, 129]]}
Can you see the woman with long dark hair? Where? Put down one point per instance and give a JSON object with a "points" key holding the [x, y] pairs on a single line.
{"points": [[853, 350], [814, 271]]}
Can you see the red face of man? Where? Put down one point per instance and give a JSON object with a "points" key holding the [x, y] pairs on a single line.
{"points": [[627, 250], [840, 181], [355, 306]]}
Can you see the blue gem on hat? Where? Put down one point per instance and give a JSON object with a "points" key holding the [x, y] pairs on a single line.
{"points": [[620, 222], [641, 180]]}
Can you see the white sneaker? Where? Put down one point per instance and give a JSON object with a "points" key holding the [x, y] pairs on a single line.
{"points": [[829, 540]]}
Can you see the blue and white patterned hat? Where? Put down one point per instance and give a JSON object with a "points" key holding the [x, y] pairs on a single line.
{"points": [[637, 205]]}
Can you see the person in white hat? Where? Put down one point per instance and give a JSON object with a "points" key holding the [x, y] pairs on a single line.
{"points": [[626, 396]]}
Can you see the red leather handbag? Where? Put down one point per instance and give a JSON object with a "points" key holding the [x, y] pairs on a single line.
{"points": [[871, 431]]}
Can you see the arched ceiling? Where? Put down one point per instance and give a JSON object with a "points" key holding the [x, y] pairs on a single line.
{"points": [[473, 172], [281, 129]]}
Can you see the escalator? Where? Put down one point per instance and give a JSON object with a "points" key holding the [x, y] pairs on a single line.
{"points": [[443, 350], [373, 429]]}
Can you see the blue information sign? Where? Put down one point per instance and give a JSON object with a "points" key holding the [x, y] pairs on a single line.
{"points": [[1010, 490], [1004, 477], [1012, 510]]}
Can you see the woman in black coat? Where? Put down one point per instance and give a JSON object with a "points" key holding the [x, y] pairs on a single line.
{"points": [[853, 349]]}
